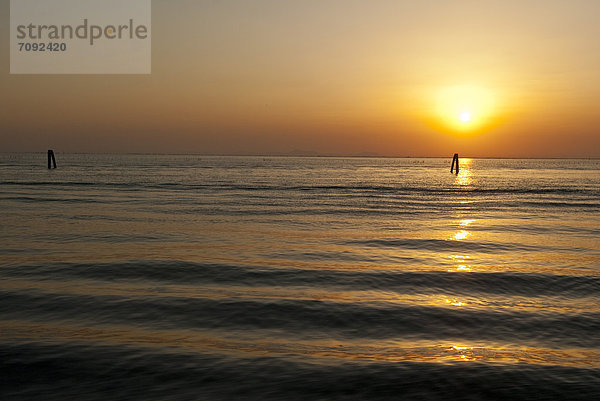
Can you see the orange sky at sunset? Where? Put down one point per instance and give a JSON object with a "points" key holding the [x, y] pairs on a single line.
{"points": [[391, 78]]}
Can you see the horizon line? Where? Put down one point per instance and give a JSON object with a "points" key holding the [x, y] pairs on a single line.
{"points": [[307, 155]]}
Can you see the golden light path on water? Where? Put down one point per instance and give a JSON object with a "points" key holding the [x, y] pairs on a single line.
{"points": [[464, 179]]}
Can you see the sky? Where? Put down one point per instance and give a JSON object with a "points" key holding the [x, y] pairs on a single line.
{"points": [[330, 77]]}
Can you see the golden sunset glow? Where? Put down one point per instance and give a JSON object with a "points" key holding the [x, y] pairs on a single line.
{"points": [[316, 200], [463, 109], [387, 78]]}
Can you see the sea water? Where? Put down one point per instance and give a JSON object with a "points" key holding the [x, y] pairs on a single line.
{"points": [[146, 277]]}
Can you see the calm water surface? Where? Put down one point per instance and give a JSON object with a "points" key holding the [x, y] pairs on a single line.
{"points": [[221, 278]]}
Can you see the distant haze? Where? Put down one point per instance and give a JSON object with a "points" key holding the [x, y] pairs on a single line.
{"points": [[331, 77]]}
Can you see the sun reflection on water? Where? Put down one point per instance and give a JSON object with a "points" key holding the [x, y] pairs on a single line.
{"points": [[462, 235], [460, 263], [464, 353], [465, 177], [465, 222], [454, 302]]}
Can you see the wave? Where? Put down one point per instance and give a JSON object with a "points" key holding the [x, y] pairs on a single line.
{"points": [[309, 319], [98, 372], [460, 246], [507, 283], [368, 189]]}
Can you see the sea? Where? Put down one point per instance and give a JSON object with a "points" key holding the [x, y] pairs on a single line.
{"points": [[185, 277]]}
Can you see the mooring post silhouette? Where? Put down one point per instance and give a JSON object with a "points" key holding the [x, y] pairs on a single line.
{"points": [[51, 159], [454, 160]]}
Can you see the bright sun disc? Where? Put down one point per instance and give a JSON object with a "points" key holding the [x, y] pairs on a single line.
{"points": [[463, 108]]}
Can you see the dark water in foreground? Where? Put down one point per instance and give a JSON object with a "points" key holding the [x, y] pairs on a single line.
{"points": [[207, 278]]}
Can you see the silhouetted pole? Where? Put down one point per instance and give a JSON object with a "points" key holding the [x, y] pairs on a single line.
{"points": [[454, 160], [51, 159]]}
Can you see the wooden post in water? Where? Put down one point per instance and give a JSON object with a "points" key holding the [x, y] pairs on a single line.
{"points": [[454, 160], [51, 159]]}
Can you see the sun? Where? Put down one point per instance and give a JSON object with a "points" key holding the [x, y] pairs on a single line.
{"points": [[465, 116], [463, 109]]}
